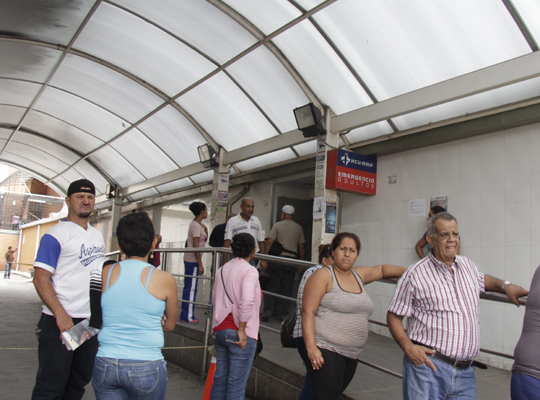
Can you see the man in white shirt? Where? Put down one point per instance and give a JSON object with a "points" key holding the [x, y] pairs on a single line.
{"points": [[245, 222], [69, 253]]}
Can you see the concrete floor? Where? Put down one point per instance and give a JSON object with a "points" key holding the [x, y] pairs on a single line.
{"points": [[20, 308]]}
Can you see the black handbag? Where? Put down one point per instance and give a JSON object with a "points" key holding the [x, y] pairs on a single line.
{"points": [[259, 341], [287, 329]]}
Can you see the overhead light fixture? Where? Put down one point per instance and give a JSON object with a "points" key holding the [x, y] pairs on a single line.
{"points": [[207, 155], [308, 119]]}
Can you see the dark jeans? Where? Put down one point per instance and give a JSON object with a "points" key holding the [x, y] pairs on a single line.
{"points": [[333, 377], [7, 270], [281, 282], [62, 374], [307, 390]]}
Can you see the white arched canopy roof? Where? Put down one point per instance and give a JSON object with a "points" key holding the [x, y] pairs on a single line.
{"points": [[124, 91]]}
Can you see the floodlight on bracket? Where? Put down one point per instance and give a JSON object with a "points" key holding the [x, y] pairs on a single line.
{"points": [[208, 156], [308, 119]]}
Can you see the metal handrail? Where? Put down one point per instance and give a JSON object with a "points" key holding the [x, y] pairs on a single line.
{"points": [[217, 253]]}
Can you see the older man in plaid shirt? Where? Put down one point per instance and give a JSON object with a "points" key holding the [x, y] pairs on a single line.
{"points": [[440, 296]]}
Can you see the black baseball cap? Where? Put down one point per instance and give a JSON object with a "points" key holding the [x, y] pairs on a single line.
{"points": [[82, 185]]}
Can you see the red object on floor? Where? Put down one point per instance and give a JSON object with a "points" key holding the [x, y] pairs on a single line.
{"points": [[209, 379]]}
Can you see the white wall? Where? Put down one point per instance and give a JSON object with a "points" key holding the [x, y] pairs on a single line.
{"points": [[493, 188]]}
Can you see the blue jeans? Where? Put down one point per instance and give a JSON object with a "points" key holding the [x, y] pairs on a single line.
{"points": [[7, 270], [420, 382], [307, 390], [232, 366], [190, 291], [115, 379], [62, 374], [524, 387]]}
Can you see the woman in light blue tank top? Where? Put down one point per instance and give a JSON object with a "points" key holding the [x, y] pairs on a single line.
{"points": [[138, 303]]}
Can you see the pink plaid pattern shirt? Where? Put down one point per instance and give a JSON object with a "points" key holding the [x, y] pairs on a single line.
{"points": [[442, 306]]}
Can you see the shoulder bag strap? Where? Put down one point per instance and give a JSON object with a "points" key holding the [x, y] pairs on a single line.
{"points": [[224, 287]]}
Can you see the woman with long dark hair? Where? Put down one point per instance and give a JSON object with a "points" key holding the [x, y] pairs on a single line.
{"points": [[197, 235], [237, 299], [335, 312]]}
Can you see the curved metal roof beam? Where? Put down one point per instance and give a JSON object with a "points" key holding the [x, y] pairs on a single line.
{"points": [[346, 62], [521, 24], [247, 25]]}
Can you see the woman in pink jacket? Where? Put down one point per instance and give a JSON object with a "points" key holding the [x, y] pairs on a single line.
{"points": [[236, 299]]}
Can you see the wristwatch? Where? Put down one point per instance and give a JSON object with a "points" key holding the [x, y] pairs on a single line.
{"points": [[504, 285]]}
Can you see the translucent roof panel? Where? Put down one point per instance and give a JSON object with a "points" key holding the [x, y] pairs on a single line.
{"points": [[369, 132], [321, 68], [38, 156], [235, 122], [18, 93], [267, 159], [268, 15], [61, 131], [5, 133], [203, 177], [529, 12], [27, 62], [117, 166], [398, 47], [10, 114], [143, 194], [139, 150], [197, 22], [175, 185], [49, 22], [138, 47], [270, 85], [26, 163], [49, 147], [305, 149], [80, 113], [174, 134], [479, 102], [101, 85]]}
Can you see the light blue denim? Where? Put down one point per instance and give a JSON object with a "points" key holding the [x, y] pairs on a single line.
{"points": [[232, 366], [115, 379], [420, 382]]}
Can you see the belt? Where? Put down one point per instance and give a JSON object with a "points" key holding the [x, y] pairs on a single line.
{"points": [[458, 364]]}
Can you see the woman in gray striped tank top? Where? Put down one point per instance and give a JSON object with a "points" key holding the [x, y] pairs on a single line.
{"points": [[335, 312]]}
